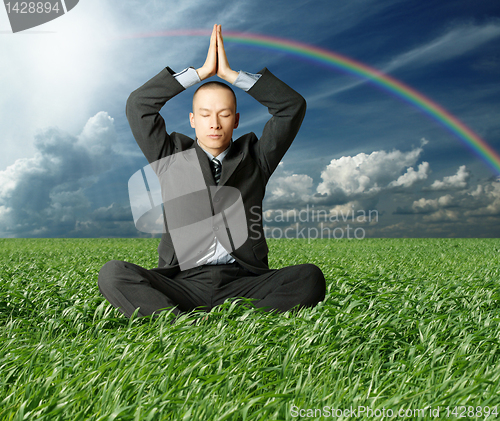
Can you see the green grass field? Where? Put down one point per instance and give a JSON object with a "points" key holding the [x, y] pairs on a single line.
{"points": [[407, 324]]}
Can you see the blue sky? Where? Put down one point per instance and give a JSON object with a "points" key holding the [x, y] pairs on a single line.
{"points": [[68, 153]]}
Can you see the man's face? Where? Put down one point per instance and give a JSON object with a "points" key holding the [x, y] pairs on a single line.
{"points": [[214, 118]]}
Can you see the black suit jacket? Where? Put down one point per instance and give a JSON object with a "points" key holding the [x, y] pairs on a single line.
{"points": [[247, 166]]}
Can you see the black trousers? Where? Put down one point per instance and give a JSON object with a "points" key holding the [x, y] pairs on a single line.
{"points": [[128, 286]]}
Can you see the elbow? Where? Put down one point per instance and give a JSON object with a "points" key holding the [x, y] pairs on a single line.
{"points": [[134, 105], [131, 104], [301, 107]]}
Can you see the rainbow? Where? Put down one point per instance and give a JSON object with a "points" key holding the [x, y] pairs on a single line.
{"points": [[345, 64]]}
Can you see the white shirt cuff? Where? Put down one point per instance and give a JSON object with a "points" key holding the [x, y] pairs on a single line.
{"points": [[188, 77], [246, 80]]}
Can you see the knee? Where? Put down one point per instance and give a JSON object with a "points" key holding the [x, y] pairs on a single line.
{"points": [[313, 273], [110, 275], [316, 283]]}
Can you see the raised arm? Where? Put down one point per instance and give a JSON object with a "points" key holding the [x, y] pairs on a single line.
{"points": [[144, 105], [286, 106], [143, 114]]}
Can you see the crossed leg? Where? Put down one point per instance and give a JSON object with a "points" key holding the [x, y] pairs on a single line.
{"points": [[128, 286]]}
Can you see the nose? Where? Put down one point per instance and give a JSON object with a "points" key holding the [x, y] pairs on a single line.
{"points": [[215, 122]]}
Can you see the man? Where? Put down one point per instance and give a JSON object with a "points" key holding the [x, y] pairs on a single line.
{"points": [[245, 164]]}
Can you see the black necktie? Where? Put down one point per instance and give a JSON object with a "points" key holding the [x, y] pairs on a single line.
{"points": [[216, 169]]}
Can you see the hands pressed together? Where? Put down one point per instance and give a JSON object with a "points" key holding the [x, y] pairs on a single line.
{"points": [[216, 62]]}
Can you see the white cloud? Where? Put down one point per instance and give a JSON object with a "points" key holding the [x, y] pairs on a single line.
{"points": [[351, 185], [443, 215], [287, 189], [358, 179], [366, 175], [473, 212], [424, 205], [61, 159], [295, 186], [454, 182], [410, 177], [45, 195], [489, 198]]}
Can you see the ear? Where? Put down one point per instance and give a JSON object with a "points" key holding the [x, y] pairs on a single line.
{"points": [[191, 119], [236, 120]]}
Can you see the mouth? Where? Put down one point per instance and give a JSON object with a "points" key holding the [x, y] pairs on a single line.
{"points": [[215, 136]]}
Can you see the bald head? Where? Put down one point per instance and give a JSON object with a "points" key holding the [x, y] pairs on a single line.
{"points": [[215, 85]]}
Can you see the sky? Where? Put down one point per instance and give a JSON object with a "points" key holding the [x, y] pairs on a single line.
{"points": [[365, 164]]}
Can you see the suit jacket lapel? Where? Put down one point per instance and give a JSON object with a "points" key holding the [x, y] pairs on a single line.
{"points": [[204, 164], [229, 164]]}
